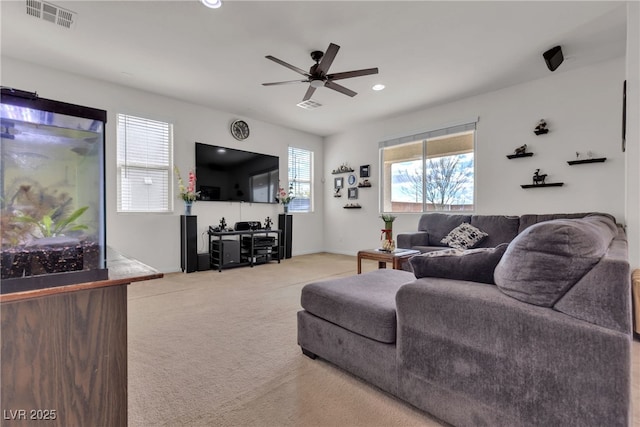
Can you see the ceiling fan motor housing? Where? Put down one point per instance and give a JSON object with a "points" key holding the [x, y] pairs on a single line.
{"points": [[317, 55]]}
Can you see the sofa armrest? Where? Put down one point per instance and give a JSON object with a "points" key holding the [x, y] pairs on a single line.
{"points": [[527, 362], [411, 239]]}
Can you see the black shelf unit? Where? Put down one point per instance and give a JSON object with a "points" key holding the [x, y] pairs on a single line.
{"points": [[551, 184], [242, 248], [517, 156], [582, 162]]}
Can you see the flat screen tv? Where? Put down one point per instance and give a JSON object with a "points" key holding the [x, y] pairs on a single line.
{"points": [[227, 174]]}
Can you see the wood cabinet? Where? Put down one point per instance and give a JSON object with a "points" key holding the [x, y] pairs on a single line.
{"points": [[64, 351]]}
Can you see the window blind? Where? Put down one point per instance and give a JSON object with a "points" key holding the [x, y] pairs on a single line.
{"points": [[144, 164], [300, 179]]}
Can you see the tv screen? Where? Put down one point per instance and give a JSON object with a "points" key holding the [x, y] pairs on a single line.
{"points": [[227, 174]]}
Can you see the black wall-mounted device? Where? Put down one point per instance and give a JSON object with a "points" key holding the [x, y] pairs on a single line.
{"points": [[553, 58]]}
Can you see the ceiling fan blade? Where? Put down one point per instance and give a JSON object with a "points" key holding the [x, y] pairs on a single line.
{"points": [[285, 83], [327, 58], [289, 66], [341, 89], [309, 92], [355, 73]]}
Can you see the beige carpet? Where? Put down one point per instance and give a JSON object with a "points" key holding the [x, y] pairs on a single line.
{"points": [[219, 349]]}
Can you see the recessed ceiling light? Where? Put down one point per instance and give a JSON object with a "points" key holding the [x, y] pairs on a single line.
{"points": [[378, 87], [213, 4]]}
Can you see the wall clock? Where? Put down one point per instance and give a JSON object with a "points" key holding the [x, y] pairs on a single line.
{"points": [[240, 130]]}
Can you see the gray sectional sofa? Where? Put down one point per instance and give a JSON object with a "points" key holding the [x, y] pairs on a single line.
{"points": [[542, 341]]}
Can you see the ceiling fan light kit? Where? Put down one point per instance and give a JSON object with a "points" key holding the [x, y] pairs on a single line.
{"points": [[318, 76]]}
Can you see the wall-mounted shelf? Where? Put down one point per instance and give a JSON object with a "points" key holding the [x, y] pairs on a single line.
{"points": [[342, 170], [541, 131], [364, 186], [352, 207], [516, 156], [582, 162], [551, 184]]}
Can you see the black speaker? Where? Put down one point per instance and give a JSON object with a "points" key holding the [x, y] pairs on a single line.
{"points": [[188, 243], [553, 57], [285, 223], [204, 262]]}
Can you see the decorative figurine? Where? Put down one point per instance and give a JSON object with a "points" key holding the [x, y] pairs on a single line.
{"points": [[541, 127], [336, 192], [520, 150], [267, 223], [538, 179], [223, 224]]}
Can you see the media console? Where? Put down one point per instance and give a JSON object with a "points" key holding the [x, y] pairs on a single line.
{"points": [[243, 247]]}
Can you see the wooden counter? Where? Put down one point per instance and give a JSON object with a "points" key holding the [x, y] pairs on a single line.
{"points": [[64, 351]]}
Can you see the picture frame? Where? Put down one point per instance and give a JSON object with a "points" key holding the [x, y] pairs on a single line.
{"points": [[352, 180], [338, 183], [353, 193], [364, 171]]}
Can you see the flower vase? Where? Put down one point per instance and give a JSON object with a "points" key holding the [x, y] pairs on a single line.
{"points": [[286, 208], [187, 207], [388, 244]]}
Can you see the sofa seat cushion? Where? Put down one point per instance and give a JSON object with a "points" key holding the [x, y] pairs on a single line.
{"points": [[364, 303], [544, 261], [476, 265]]}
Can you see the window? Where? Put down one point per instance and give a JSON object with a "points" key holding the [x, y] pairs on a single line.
{"points": [[300, 179], [431, 171], [144, 165]]}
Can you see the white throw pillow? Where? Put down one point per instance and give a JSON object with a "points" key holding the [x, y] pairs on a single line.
{"points": [[464, 236]]}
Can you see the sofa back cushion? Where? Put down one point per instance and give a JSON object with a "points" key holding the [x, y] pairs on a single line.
{"points": [[528, 220], [499, 229], [440, 225], [545, 260]]}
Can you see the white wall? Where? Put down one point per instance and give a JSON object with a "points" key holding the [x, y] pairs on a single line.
{"points": [[155, 238], [633, 132], [583, 110]]}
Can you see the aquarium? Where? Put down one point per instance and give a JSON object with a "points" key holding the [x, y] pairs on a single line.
{"points": [[51, 193]]}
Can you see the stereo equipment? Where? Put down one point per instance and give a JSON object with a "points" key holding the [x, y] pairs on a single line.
{"points": [[258, 241], [227, 251], [553, 58], [247, 225]]}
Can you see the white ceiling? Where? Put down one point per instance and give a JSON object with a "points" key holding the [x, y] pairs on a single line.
{"points": [[427, 52]]}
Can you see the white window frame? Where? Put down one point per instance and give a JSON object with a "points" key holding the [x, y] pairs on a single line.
{"points": [[136, 136], [297, 176], [423, 138]]}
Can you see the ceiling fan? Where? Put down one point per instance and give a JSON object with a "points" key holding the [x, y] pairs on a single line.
{"points": [[317, 75]]}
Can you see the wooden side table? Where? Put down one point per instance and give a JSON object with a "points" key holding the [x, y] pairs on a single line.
{"points": [[397, 257]]}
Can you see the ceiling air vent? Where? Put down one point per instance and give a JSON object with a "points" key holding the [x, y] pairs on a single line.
{"points": [[309, 104], [52, 13]]}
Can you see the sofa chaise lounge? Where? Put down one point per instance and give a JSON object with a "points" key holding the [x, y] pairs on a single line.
{"points": [[541, 338]]}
